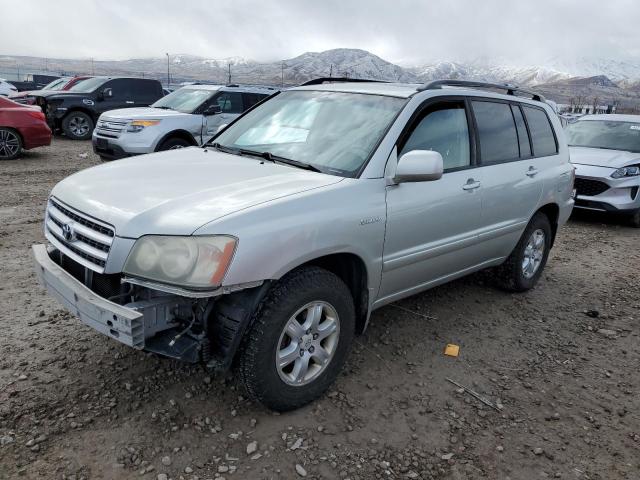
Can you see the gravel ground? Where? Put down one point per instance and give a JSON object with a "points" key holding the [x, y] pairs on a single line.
{"points": [[561, 363]]}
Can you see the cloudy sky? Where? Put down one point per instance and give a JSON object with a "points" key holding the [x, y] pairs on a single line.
{"points": [[402, 31]]}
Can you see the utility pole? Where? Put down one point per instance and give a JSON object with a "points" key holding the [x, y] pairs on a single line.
{"points": [[331, 71], [282, 82], [168, 76], [93, 70], [229, 79]]}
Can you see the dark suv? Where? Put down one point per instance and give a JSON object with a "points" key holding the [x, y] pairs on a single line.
{"points": [[76, 111]]}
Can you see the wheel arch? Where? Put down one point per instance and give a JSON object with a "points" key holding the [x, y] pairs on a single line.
{"points": [[86, 111], [179, 133], [552, 212]]}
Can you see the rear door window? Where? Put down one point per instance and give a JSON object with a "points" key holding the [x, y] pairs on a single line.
{"points": [[523, 135], [250, 99], [542, 137], [496, 131]]}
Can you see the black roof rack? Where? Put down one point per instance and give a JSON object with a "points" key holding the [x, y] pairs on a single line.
{"points": [[511, 89], [321, 80]]}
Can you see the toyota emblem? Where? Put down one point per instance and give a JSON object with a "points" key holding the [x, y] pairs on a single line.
{"points": [[67, 232]]}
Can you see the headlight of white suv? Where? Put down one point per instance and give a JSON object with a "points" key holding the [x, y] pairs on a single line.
{"points": [[139, 125], [194, 261], [632, 171]]}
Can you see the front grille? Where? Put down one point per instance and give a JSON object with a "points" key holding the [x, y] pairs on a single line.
{"points": [[80, 237], [590, 188], [110, 128]]}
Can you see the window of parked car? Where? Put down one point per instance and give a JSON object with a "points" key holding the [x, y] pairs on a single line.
{"points": [[611, 135], [250, 99], [544, 142], [185, 100], [442, 128], [523, 135], [497, 132], [230, 102], [141, 89]]}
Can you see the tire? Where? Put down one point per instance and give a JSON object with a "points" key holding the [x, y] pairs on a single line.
{"points": [[10, 144], [173, 143], [309, 289], [519, 274], [77, 126], [105, 159], [634, 219]]}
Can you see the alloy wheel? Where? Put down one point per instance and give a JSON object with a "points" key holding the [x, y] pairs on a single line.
{"points": [[9, 144], [307, 343], [533, 253], [79, 126]]}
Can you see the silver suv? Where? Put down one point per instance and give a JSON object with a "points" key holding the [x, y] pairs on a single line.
{"points": [[606, 152], [188, 116], [269, 248]]}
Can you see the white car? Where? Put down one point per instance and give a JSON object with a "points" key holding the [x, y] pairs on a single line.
{"points": [[605, 150], [6, 88], [189, 116]]}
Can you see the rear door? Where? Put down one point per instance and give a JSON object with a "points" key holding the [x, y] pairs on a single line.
{"points": [[120, 98], [513, 186], [432, 227], [143, 92], [231, 105]]}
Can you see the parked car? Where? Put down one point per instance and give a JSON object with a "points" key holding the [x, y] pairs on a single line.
{"points": [[6, 88], [606, 152], [21, 128], [270, 247], [59, 84], [188, 116], [76, 110]]}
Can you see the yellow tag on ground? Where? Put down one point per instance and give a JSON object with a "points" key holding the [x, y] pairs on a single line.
{"points": [[452, 350]]}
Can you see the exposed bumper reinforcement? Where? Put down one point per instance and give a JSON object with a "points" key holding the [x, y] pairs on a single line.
{"points": [[120, 323]]}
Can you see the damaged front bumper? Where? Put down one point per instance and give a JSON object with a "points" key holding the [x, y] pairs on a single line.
{"points": [[144, 324]]}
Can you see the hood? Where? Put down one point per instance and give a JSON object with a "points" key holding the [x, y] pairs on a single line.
{"points": [[141, 112], [177, 191], [601, 157], [49, 94]]}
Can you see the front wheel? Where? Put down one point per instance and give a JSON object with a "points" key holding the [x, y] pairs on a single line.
{"points": [[77, 126], [634, 219], [523, 268], [173, 144], [299, 340]]}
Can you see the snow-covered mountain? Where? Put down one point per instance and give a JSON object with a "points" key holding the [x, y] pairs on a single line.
{"points": [[338, 62]]}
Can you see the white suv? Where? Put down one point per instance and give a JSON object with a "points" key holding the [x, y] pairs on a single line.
{"points": [[606, 152], [188, 116]]}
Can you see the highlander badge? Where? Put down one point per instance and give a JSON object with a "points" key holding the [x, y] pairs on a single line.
{"points": [[67, 232]]}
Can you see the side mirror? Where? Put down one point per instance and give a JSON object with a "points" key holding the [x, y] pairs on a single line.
{"points": [[107, 93], [213, 109], [419, 166]]}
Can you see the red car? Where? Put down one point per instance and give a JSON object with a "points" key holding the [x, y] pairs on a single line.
{"points": [[62, 83], [21, 127]]}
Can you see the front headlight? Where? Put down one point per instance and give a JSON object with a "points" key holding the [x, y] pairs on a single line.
{"points": [[632, 171], [139, 125], [197, 261]]}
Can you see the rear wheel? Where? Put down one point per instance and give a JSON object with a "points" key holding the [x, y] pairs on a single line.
{"points": [[10, 143], [299, 341], [523, 268], [77, 126], [173, 144]]}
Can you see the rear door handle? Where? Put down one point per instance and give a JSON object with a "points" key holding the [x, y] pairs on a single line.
{"points": [[471, 185], [532, 172]]}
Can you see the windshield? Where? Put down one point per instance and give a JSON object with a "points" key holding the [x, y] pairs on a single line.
{"points": [[332, 131], [185, 100], [605, 134], [88, 85], [57, 84]]}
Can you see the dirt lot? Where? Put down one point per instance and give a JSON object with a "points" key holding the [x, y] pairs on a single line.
{"points": [[563, 362]]}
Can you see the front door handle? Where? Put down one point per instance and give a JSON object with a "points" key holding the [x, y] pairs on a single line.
{"points": [[532, 172], [471, 185]]}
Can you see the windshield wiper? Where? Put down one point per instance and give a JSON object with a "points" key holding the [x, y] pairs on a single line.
{"points": [[277, 158], [164, 108], [222, 148]]}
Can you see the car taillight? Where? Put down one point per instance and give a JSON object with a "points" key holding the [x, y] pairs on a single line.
{"points": [[38, 115]]}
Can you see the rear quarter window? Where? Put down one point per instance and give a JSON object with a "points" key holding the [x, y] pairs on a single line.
{"points": [[542, 136]]}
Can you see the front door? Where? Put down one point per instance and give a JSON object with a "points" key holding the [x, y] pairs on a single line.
{"points": [[432, 226]]}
